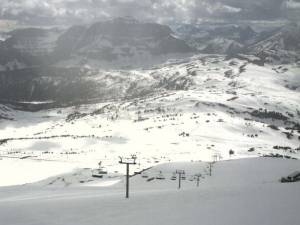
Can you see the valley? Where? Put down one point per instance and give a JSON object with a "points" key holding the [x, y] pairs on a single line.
{"points": [[200, 108], [205, 112]]}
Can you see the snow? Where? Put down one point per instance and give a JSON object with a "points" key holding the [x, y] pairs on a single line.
{"points": [[196, 112], [238, 192], [103, 183], [137, 60], [205, 120], [14, 172]]}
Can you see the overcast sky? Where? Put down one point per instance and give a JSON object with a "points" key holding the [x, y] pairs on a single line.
{"points": [[76, 11]]}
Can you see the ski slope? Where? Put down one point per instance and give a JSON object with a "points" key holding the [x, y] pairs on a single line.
{"points": [[245, 191], [199, 109]]}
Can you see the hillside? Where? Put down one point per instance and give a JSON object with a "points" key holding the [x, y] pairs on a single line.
{"points": [[103, 61], [195, 103], [199, 108], [272, 44], [116, 43], [238, 192]]}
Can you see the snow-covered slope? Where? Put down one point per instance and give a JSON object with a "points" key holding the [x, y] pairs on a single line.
{"points": [[282, 47], [238, 192], [5, 113], [217, 38], [272, 44], [199, 108]]}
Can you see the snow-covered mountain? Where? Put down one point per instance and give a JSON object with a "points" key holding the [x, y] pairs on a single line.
{"points": [[5, 113], [198, 108], [282, 47], [274, 46], [75, 106], [207, 114], [117, 43], [64, 107], [127, 43], [216, 38], [70, 66]]}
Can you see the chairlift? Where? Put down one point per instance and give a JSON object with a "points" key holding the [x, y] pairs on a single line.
{"points": [[160, 176], [173, 177], [192, 178], [102, 171], [99, 172], [183, 177]]}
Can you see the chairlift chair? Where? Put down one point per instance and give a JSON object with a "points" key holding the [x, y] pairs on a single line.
{"points": [[192, 178], [174, 177], [102, 171], [160, 176], [99, 172], [183, 177], [95, 173]]}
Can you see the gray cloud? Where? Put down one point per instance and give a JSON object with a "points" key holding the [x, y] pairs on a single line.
{"points": [[75, 11]]}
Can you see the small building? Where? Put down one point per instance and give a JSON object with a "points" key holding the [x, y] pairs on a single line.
{"points": [[293, 177]]}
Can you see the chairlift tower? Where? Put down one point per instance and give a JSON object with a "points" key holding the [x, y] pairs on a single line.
{"points": [[210, 167], [198, 178], [180, 173], [128, 162]]}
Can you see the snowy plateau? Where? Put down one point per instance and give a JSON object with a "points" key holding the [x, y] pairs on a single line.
{"points": [[231, 121]]}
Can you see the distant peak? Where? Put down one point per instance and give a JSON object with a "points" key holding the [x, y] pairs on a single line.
{"points": [[126, 19]]}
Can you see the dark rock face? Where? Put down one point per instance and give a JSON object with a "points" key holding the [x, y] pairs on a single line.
{"points": [[68, 41], [30, 68], [119, 39], [33, 85], [30, 47], [103, 41], [128, 29]]}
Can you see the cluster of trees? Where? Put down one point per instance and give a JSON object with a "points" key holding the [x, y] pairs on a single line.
{"points": [[265, 114]]}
